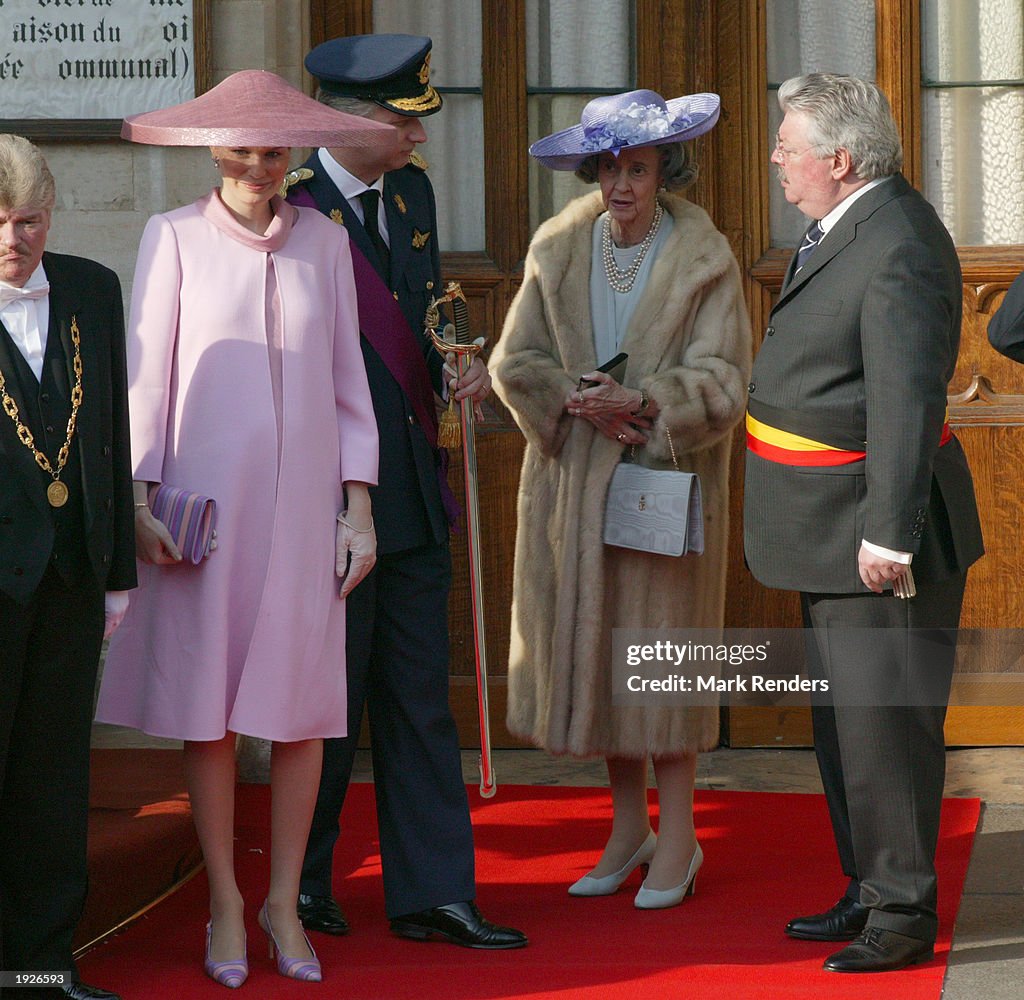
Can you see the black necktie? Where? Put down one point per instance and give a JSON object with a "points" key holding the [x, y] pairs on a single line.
{"points": [[370, 199], [811, 240]]}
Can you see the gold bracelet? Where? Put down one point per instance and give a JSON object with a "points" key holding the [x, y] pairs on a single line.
{"points": [[645, 401], [139, 506], [358, 531]]}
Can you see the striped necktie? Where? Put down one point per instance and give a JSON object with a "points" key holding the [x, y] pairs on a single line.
{"points": [[811, 240]]}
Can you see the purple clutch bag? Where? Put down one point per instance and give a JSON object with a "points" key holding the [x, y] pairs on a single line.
{"points": [[190, 518]]}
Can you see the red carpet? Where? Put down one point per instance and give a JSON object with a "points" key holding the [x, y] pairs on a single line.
{"points": [[767, 858]]}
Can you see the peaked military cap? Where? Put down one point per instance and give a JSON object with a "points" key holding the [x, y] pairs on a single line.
{"points": [[390, 70]]}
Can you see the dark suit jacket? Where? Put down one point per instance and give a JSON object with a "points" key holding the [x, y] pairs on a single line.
{"points": [[407, 506], [92, 293], [1006, 328], [860, 348]]}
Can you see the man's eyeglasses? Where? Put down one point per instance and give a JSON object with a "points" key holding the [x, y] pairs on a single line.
{"points": [[789, 154]]}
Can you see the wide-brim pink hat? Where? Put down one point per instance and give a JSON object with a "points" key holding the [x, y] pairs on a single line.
{"points": [[615, 122], [254, 108]]}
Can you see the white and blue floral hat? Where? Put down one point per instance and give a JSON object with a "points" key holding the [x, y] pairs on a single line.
{"points": [[624, 121]]}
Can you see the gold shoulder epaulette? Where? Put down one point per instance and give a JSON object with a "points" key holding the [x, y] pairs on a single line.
{"points": [[296, 176], [417, 161]]}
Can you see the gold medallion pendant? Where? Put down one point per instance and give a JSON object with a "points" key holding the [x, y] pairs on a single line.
{"points": [[57, 493]]}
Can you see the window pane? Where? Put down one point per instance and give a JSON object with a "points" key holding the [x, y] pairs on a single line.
{"points": [[551, 190], [455, 134], [457, 171], [972, 143], [976, 41], [454, 25], [566, 49], [972, 135], [807, 36]]}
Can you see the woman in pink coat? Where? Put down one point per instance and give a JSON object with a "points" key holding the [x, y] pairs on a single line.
{"points": [[247, 385]]}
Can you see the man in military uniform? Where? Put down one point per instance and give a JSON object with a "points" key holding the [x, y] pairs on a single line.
{"points": [[397, 642]]}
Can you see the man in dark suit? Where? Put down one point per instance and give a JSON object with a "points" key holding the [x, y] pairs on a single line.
{"points": [[67, 554], [851, 475], [397, 642]]}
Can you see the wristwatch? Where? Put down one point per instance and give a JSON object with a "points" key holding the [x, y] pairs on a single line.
{"points": [[645, 401]]}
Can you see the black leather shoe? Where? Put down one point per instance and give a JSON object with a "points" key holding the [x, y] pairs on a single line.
{"points": [[842, 923], [321, 913], [879, 950], [83, 991], [460, 923]]}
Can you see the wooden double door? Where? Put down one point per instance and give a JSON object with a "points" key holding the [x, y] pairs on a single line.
{"points": [[686, 46]]}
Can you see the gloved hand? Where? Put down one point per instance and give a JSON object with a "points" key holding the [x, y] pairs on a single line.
{"points": [[115, 605], [355, 553]]}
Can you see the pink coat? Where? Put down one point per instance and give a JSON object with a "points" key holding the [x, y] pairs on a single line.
{"points": [[252, 641]]}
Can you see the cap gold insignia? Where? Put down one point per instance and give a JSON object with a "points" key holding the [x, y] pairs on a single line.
{"points": [[293, 177], [400, 202], [426, 101], [419, 240], [337, 217], [424, 74]]}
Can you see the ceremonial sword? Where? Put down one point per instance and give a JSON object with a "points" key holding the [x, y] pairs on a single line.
{"points": [[457, 340]]}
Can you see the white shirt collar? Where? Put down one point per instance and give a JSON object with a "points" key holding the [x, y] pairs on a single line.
{"points": [[37, 279], [348, 184], [28, 322], [830, 219]]}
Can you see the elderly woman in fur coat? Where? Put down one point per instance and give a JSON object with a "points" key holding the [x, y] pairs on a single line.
{"points": [[638, 270]]}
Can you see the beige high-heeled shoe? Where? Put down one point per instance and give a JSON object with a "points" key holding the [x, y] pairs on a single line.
{"points": [[660, 899], [605, 885]]}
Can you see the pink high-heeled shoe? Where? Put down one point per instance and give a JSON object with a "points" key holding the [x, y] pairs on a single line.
{"points": [[230, 974], [306, 969]]}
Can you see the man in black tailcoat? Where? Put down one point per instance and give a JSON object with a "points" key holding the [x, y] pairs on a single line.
{"points": [[67, 554], [397, 643]]}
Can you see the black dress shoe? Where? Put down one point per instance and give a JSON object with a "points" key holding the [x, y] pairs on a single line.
{"points": [[321, 913], [83, 991], [460, 923], [842, 923], [879, 950]]}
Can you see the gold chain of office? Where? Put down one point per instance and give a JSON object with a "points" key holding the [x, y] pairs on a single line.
{"points": [[56, 492]]}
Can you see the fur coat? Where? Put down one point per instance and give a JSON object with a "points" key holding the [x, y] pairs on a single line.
{"points": [[689, 346]]}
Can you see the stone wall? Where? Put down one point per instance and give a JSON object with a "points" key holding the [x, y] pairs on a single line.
{"points": [[107, 190]]}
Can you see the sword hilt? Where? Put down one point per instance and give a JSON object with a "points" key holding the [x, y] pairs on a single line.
{"points": [[460, 312]]}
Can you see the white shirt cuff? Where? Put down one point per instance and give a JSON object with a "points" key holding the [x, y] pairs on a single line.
{"points": [[893, 554]]}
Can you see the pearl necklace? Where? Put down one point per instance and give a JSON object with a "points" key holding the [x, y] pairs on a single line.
{"points": [[622, 281]]}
